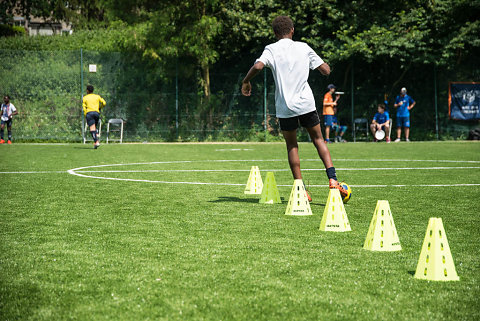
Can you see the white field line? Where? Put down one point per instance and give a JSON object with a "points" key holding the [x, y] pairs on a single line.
{"points": [[236, 184], [242, 170], [277, 170], [36, 172], [78, 171]]}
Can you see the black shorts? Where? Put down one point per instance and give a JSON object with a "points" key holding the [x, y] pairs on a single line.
{"points": [[92, 118], [308, 120], [7, 122]]}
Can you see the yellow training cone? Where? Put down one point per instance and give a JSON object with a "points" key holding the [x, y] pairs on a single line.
{"points": [[436, 262], [254, 183], [382, 234], [334, 216], [298, 203], [270, 193]]}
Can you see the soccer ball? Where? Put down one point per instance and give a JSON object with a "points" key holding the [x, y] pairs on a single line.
{"points": [[349, 192]]}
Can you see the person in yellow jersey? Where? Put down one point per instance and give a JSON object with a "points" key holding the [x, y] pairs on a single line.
{"points": [[92, 104]]}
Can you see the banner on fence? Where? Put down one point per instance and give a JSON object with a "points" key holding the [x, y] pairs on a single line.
{"points": [[464, 100]]}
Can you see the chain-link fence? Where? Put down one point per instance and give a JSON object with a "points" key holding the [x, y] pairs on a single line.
{"points": [[161, 103]]}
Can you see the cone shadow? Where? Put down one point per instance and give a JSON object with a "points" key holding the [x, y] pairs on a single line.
{"points": [[222, 199]]}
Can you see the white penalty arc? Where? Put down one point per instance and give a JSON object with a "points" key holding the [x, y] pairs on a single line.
{"points": [[81, 172]]}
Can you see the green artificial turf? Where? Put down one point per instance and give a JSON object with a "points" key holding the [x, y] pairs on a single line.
{"points": [[89, 249]]}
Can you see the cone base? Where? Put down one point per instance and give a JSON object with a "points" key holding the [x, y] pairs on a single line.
{"points": [[422, 277], [385, 249], [302, 214]]}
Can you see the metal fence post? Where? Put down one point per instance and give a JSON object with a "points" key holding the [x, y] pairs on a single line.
{"points": [[353, 108], [435, 90], [81, 91], [265, 102], [176, 97]]}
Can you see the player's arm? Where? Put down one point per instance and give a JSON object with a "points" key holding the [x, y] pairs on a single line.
{"points": [[102, 102], [324, 69], [398, 103], [255, 70], [14, 113], [413, 104], [387, 121], [84, 105]]}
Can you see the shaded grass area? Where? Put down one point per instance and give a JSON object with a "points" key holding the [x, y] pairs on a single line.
{"points": [[78, 248]]}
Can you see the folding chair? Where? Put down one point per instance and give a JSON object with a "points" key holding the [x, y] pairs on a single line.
{"points": [[116, 122], [360, 125]]}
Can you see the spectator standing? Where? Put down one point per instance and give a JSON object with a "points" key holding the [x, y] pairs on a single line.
{"points": [[328, 113], [404, 103], [8, 110]]}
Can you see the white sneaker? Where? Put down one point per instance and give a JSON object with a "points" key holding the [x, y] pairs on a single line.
{"points": [[407, 140], [397, 140]]}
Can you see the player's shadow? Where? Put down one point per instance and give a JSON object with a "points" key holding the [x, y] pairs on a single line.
{"points": [[78, 147], [412, 273], [223, 199]]}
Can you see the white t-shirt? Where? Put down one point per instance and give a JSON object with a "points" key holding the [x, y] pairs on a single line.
{"points": [[7, 111], [290, 62]]}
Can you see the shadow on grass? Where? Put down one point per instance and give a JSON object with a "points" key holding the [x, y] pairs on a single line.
{"points": [[86, 147], [222, 199], [411, 273]]}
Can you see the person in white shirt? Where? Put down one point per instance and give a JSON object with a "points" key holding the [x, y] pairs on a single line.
{"points": [[290, 62], [7, 112]]}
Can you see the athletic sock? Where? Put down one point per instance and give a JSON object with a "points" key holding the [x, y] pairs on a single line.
{"points": [[331, 173], [94, 135], [9, 135]]}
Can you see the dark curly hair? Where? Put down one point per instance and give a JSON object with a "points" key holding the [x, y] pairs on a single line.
{"points": [[90, 88], [282, 25]]}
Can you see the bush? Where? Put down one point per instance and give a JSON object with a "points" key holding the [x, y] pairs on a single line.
{"points": [[11, 31]]}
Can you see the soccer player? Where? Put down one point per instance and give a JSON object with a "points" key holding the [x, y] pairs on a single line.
{"points": [[328, 113], [8, 110], [290, 62], [381, 120], [404, 103], [92, 104], [337, 128]]}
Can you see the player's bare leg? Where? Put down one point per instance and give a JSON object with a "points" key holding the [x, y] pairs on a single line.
{"points": [[407, 133], [327, 132], [293, 158], [93, 131], [387, 133], [292, 150], [399, 133], [315, 133], [9, 133], [2, 130]]}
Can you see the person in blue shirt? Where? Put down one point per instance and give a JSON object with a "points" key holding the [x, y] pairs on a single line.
{"points": [[404, 103], [381, 120], [337, 128]]}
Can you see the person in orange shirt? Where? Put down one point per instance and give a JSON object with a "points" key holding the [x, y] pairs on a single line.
{"points": [[328, 113]]}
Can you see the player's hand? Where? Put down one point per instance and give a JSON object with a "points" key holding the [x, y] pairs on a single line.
{"points": [[246, 89], [400, 103], [338, 97]]}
